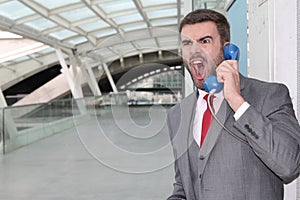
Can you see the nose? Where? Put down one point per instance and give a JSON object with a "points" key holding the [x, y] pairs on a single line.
{"points": [[198, 48]]}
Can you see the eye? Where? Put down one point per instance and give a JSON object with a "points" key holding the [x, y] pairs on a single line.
{"points": [[186, 42], [206, 40]]}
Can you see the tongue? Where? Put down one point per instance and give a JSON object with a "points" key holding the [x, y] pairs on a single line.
{"points": [[198, 71]]}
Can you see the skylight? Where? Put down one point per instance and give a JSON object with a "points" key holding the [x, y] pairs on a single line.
{"points": [[41, 24], [162, 13], [128, 18], [62, 34], [99, 24], [117, 5], [14, 10], [51, 4], [77, 14]]}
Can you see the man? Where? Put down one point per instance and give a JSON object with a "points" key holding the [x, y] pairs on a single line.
{"points": [[262, 151]]}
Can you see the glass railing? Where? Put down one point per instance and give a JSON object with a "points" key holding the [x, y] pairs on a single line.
{"points": [[121, 150], [23, 125]]}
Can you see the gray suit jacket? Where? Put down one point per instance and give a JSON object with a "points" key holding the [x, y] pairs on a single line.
{"points": [[229, 169]]}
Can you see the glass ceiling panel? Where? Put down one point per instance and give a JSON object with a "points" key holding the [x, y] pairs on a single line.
{"points": [[78, 40], [46, 51], [41, 24], [35, 55], [77, 14], [51, 4], [124, 13], [63, 34], [117, 5], [164, 22], [162, 13], [128, 18], [210, 4], [20, 59], [93, 26], [104, 33], [147, 3], [134, 27], [14, 10]]}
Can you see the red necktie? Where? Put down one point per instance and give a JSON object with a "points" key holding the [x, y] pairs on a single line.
{"points": [[207, 119]]}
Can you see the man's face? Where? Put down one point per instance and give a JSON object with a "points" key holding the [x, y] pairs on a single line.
{"points": [[202, 51]]}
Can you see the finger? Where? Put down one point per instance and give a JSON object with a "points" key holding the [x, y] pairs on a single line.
{"points": [[220, 77], [232, 64], [227, 70]]}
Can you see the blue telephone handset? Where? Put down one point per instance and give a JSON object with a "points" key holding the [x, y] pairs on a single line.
{"points": [[231, 52]]}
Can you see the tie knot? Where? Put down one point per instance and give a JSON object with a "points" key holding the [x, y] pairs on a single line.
{"points": [[205, 97], [211, 98]]}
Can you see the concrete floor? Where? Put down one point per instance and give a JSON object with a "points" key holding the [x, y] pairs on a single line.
{"points": [[95, 160]]}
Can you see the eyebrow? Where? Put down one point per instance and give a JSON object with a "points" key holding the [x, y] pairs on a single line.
{"points": [[200, 39], [185, 41], [205, 37]]}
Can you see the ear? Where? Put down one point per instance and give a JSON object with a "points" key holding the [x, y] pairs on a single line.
{"points": [[225, 44]]}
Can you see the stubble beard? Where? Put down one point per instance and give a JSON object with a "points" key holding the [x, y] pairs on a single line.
{"points": [[211, 70]]}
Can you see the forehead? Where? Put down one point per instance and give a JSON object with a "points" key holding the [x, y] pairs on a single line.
{"points": [[198, 30]]}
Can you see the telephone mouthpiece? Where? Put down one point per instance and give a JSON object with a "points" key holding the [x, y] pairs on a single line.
{"points": [[211, 83]]}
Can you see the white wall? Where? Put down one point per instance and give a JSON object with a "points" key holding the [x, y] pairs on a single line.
{"points": [[272, 50], [258, 41], [272, 39]]}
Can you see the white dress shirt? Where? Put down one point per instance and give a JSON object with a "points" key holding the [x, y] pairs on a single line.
{"points": [[201, 107]]}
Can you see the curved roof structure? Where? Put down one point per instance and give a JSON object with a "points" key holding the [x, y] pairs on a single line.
{"points": [[97, 31]]}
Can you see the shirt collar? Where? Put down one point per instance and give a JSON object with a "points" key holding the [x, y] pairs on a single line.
{"points": [[202, 93]]}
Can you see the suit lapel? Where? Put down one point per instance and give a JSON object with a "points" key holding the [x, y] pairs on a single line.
{"points": [[215, 129], [184, 136]]}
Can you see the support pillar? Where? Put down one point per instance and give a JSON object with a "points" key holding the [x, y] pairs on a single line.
{"points": [[76, 92], [76, 74], [7, 127], [111, 81], [91, 79]]}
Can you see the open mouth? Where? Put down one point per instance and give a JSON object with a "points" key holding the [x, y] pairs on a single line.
{"points": [[197, 68]]}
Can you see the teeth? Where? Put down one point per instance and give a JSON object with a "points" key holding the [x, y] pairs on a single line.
{"points": [[197, 62]]}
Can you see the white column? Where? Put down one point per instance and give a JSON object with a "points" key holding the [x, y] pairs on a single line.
{"points": [[111, 81], [9, 128], [91, 79], [3, 102], [75, 91], [76, 74]]}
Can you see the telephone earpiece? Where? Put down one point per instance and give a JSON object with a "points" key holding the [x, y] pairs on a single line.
{"points": [[211, 84]]}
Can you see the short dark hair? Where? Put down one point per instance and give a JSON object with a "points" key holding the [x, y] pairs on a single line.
{"points": [[203, 15]]}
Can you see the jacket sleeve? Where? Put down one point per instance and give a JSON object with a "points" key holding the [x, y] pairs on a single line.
{"points": [[273, 132], [178, 191]]}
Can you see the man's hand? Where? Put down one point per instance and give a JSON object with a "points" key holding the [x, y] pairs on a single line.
{"points": [[228, 73]]}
